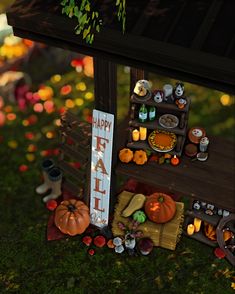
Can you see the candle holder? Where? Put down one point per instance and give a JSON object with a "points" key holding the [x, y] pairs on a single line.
{"points": [[175, 160]]}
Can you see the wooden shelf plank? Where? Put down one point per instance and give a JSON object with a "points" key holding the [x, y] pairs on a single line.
{"points": [[199, 236], [144, 145], [155, 125], [162, 105], [211, 219]]}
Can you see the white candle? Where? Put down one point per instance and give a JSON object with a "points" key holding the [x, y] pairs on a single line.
{"points": [[197, 224], [190, 229], [143, 133], [135, 135]]}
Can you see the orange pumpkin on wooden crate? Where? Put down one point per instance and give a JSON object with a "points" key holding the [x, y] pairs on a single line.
{"points": [[72, 217], [160, 208]]}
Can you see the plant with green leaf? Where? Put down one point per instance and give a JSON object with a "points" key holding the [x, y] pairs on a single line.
{"points": [[89, 20]]}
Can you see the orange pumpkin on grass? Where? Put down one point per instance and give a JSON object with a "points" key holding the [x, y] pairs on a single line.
{"points": [[72, 217], [160, 208]]}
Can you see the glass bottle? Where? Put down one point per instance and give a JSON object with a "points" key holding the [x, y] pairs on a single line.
{"points": [[152, 113], [143, 113]]}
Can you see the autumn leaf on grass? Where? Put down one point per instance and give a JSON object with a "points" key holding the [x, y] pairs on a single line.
{"points": [[158, 281], [233, 285], [186, 251]]}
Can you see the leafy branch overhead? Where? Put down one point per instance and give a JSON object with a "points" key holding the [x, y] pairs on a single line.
{"points": [[89, 20]]}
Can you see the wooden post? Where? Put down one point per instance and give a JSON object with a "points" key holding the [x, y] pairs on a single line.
{"points": [[105, 80]]}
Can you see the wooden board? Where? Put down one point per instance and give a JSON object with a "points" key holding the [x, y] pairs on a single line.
{"points": [[186, 40], [211, 181]]}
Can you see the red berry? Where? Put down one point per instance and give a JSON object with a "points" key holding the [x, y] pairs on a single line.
{"points": [[51, 204], [91, 251], [23, 168], [87, 240]]}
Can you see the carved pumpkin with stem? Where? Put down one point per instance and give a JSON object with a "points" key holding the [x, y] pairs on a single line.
{"points": [[160, 208]]}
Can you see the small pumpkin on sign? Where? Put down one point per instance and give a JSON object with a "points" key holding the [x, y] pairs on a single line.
{"points": [[72, 217]]}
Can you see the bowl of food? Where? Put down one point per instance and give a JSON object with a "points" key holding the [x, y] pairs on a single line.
{"points": [[169, 121]]}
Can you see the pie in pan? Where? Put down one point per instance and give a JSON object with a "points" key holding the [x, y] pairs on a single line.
{"points": [[162, 141]]}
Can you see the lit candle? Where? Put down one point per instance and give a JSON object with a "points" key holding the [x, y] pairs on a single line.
{"points": [[197, 224], [135, 135], [175, 160], [190, 229], [143, 133]]}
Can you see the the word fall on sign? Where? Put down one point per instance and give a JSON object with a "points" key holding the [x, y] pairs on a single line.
{"points": [[101, 160]]}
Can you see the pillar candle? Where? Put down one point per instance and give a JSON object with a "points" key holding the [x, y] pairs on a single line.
{"points": [[190, 229], [135, 135], [143, 133], [197, 224]]}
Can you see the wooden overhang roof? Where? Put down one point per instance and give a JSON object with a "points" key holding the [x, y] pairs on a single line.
{"points": [[188, 40]]}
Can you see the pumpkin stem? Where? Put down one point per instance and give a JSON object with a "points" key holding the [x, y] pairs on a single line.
{"points": [[71, 207], [160, 199]]}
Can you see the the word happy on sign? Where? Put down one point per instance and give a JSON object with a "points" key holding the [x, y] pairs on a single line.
{"points": [[101, 159]]}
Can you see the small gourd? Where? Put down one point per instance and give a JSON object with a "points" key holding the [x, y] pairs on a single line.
{"points": [[139, 216], [137, 202], [125, 155], [140, 157]]}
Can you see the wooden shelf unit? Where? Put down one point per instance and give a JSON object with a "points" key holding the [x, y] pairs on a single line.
{"points": [[199, 236], [161, 108]]}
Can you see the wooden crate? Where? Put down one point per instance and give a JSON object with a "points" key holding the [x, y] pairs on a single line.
{"points": [[164, 235], [79, 133]]}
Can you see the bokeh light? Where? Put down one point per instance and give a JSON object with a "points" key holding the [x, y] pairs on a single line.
{"points": [[69, 103], [38, 107], [89, 96], [79, 101], [225, 100], [55, 79], [81, 86]]}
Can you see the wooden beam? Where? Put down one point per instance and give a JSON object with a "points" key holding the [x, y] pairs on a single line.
{"points": [[207, 24], [105, 80]]}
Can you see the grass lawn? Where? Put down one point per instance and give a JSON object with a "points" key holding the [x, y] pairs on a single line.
{"points": [[30, 264]]}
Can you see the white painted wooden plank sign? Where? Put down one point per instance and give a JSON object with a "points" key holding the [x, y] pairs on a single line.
{"points": [[101, 160]]}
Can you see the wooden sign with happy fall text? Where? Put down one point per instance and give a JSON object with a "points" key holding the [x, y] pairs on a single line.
{"points": [[101, 160]]}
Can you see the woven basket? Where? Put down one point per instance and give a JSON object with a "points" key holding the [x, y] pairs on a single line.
{"points": [[164, 235]]}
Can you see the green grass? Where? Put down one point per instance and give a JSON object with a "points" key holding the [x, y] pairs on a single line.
{"points": [[30, 264]]}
